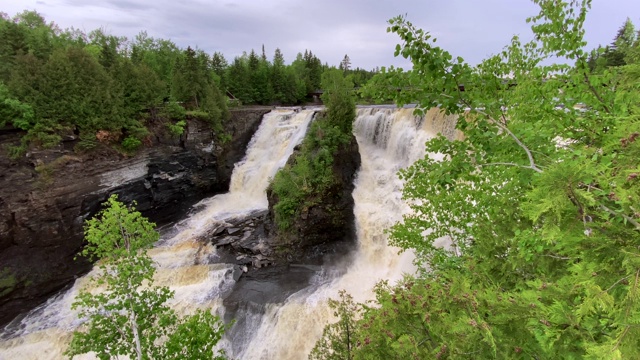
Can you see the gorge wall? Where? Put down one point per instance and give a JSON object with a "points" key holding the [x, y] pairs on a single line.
{"points": [[46, 196]]}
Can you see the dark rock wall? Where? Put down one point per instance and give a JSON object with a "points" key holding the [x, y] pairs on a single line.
{"points": [[42, 211]]}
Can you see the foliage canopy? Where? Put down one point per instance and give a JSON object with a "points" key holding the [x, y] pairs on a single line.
{"points": [[539, 204]]}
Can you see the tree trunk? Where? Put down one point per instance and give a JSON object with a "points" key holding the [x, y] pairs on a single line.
{"points": [[134, 328]]}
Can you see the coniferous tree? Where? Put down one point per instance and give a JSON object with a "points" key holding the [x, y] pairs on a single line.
{"points": [[188, 84], [219, 66], [141, 88], [278, 78], [39, 39], [75, 92], [239, 82], [315, 69], [259, 84], [345, 64]]}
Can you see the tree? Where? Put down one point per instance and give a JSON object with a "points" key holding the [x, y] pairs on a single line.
{"points": [[158, 54], [238, 78], [263, 57], [339, 339], [537, 203], [315, 69], [39, 36], [633, 53], [620, 52], [13, 112], [188, 81], [260, 86], [625, 37], [338, 98], [219, 66], [75, 91], [277, 77], [141, 88], [345, 64], [127, 315]]}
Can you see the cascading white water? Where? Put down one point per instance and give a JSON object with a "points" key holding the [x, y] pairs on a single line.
{"points": [[182, 260], [389, 139]]}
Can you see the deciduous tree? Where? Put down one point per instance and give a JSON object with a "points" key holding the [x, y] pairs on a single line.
{"points": [[538, 203], [126, 315]]}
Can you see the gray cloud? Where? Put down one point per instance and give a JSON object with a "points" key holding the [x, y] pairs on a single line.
{"points": [[330, 28]]}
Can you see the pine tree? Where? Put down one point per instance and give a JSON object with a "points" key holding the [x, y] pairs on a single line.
{"points": [[219, 66], [278, 78], [239, 83], [260, 86], [345, 64]]}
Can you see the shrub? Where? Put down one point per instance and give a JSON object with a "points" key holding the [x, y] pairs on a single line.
{"points": [[131, 144], [173, 110], [178, 128]]}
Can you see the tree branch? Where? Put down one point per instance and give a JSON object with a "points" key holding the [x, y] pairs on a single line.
{"points": [[595, 92], [513, 136], [626, 217], [505, 129], [509, 164], [614, 284], [624, 333], [557, 257]]}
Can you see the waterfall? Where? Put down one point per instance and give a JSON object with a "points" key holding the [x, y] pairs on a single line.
{"points": [[389, 139], [182, 261]]}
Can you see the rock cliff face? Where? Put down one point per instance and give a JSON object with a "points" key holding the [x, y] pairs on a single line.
{"points": [[45, 198], [327, 226]]}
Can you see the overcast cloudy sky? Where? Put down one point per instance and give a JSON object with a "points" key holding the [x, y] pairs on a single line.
{"points": [[472, 29]]}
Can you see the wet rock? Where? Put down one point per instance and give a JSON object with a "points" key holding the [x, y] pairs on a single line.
{"points": [[227, 240], [252, 247], [304, 267], [237, 272]]}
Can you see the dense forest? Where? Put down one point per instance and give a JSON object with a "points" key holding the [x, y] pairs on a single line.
{"points": [[103, 88]]}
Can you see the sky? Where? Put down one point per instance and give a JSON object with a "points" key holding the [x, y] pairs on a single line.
{"points": [[473, 29]]}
